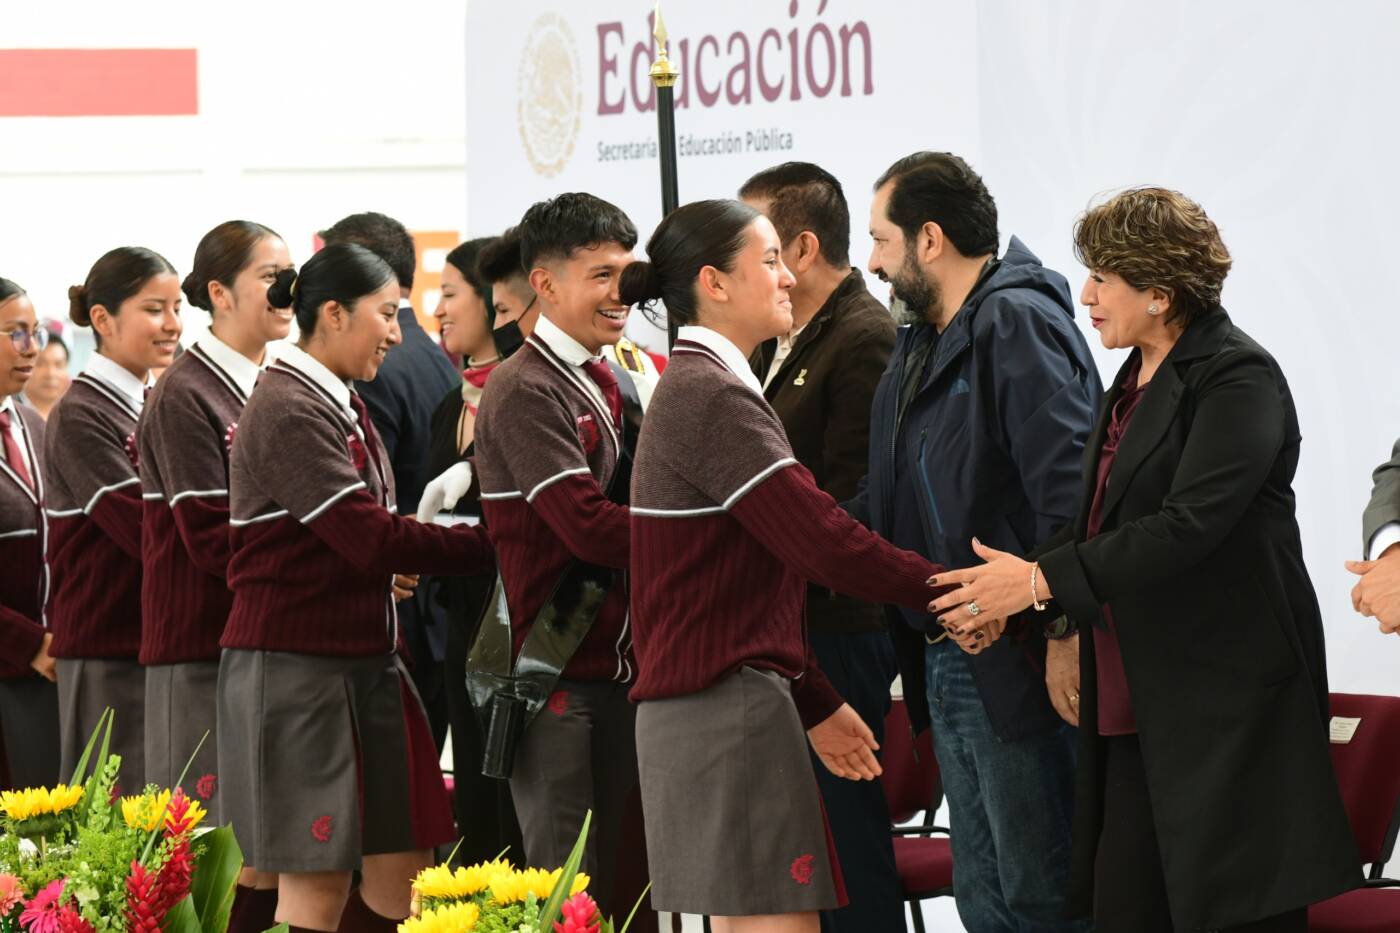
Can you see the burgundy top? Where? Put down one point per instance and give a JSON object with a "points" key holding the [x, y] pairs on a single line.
{"points": [[1115, 703], [727, 528], [24, 581]]}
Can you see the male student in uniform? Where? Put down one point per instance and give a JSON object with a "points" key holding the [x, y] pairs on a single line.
{"points": [[820, 378], [552, 458]]}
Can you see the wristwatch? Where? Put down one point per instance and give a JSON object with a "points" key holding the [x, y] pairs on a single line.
{"points": [[1062, 627]]}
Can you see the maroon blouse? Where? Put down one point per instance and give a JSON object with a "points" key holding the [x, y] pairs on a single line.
{"points": [[1115, 704]]}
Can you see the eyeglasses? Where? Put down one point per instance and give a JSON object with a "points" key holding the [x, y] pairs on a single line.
{"points": [[23, 340]]}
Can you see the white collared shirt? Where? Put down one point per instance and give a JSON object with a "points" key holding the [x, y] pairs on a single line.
{"points": [[243, 371], [315, 370], [570, 351], [1385, 536], [119, 378], [785, 344], [17, 432], [732, 357]]}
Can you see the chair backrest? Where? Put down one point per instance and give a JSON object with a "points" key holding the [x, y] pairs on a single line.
{"points": [[911, 780], [1368, 772]]}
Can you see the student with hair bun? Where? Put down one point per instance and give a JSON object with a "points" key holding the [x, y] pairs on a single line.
{"points": [[131, 300], [727, 528], [28, 698], [186, 431], [327, 762]]}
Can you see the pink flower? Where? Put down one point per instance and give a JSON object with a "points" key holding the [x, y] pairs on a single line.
{"points": [[41, 916], [11, 894], [579, 915]]}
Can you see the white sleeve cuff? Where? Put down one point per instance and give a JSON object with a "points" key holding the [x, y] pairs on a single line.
{"points": [[1387, 535]]}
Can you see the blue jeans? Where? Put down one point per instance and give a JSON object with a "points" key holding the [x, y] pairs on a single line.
{"points": [[1010, 806]]}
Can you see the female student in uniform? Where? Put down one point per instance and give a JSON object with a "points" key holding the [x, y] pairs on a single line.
{"points": [[727, 528], [28, 698], [131, 300], [328, 765], [485, 815], [186, 431]]}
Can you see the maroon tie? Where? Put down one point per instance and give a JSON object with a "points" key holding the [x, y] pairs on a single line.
{"points": [[367, 429], [13, 455], [602, 375]]}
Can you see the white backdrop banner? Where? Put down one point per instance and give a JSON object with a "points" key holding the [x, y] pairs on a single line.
{"points": [[1276, 117]]}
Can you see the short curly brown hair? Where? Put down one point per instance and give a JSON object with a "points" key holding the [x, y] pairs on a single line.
{"points": [[1157, 238]]}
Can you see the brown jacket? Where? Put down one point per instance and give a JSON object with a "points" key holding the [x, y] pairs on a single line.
{"points": [[822, 393]]}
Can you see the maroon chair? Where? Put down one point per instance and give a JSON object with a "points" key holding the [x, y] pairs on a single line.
{"points": [[1368, 772], [912, 786]]}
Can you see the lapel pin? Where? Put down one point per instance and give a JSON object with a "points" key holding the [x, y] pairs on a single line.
{"points": [[801, 379]]}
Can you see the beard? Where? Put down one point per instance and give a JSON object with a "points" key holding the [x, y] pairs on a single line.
{"points": [[915, 297]]}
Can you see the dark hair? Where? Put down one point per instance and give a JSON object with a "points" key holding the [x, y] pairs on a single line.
{"points": [[554, 229], [343, 273], [703, 233], [1157, 238], [802, 196], [114, 278], [9, 290], [56, 337], [222, 253], [940, 187], [465, 258], [382, 235], [500, 259]]}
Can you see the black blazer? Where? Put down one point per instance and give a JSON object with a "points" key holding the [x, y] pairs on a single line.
{"points": [[1201, 560]]}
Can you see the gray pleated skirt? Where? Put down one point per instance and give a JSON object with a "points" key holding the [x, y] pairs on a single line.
{"points": [[86, 687], [734, 820], [181, 705], [325, 760]]}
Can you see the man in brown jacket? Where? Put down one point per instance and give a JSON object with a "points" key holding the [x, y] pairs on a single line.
{"points": [[820, 379]]}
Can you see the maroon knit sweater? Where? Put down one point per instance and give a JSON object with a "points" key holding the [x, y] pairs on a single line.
{"points": [[24, 580], [94, 509], [315, 535], [186, 431], [545, 450], [727, 527]]}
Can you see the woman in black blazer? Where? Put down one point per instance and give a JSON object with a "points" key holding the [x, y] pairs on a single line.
{"points": [[1205, 798]]}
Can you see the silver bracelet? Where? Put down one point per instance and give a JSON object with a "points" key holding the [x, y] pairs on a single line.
{"points": [[1036, 604]]}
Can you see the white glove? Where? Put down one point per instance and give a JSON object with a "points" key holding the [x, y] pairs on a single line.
{"points": [[441, 494]]}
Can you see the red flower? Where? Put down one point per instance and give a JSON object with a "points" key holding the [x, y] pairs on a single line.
{"points": [[206, 786], [559, 702], [173, 880], [579, 914], [801, 869], [321, 829], [69, 921], [132, 452], [359, 456], [141, 908]]}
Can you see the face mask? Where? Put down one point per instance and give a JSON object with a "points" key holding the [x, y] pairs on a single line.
{"points": [[508, 338]]}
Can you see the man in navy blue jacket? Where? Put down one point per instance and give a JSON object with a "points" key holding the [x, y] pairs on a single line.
{"points": [[978, 429]]}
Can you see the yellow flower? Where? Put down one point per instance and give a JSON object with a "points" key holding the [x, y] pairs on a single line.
{"points": [[440, 882], [145, 812], [193, 816], [39, 801], [514, 887], [452, 918]]}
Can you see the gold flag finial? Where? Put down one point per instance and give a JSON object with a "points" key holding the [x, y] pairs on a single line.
{"points": [[664, 72]]}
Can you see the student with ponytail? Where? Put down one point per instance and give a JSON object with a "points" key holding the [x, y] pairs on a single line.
{"points": [[28, 698], [727, 528], [131, 300], [327, 762], [186, 431]]}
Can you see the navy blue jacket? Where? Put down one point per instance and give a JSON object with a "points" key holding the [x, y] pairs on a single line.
{"points": [[401, 400], [1000, 421]]}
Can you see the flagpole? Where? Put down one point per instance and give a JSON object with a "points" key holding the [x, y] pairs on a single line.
{"points": [[664, 75]]}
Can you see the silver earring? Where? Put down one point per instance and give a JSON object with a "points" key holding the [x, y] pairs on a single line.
{"points": [[1152, 310]]}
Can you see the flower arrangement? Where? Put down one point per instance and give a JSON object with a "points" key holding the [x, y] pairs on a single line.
{"points": [[76, 859], [497, 897]]}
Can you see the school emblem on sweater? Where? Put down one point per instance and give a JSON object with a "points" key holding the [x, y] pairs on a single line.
{"points": [[588, 433], [801, 869], [549, 102], [321, 829], [359, 455], [206, 786], [133, 453]]}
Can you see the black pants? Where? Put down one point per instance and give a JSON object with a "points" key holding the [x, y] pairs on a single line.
{"points": [[29, 724], [861, 667], [1130, 888]]}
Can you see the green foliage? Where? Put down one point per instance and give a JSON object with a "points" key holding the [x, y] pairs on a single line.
{"points": [[215, 876], [551, 909], [502, 919]]}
